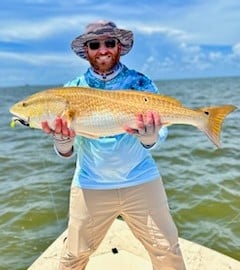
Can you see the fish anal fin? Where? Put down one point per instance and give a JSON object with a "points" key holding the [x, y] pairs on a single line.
{"points": [[87, 134]]}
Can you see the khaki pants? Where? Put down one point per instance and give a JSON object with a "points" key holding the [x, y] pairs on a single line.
{"points": [[143, 207]]}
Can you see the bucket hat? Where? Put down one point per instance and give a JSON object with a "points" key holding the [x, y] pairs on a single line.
{"points": [[99, 29]]}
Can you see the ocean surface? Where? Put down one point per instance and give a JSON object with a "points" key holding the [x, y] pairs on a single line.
{"points": [[202, 182]]}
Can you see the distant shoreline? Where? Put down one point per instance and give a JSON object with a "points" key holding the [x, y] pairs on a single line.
{"points": [[50, 85]]}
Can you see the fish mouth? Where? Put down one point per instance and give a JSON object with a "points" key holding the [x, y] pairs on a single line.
{"points": [[20, 120]]}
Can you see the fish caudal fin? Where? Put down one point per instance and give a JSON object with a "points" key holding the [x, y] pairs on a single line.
{"points": [[216, 116]]}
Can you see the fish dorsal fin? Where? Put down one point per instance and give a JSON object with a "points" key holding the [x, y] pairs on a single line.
{"points": [[170, 100]]}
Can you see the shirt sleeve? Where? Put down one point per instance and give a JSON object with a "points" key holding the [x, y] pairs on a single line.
{"points": [[64, 157], [79, 81]]}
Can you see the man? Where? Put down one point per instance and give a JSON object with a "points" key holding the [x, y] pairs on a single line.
{"points": [[115, 175]]}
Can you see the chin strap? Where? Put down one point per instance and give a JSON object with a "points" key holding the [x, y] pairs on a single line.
{"points": [[107, 76]]}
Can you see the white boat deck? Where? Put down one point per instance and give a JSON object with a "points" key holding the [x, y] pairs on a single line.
{"points": [[132, 256]]}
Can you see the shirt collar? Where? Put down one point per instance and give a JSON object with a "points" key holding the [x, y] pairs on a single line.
{"points": [[109, 75]]}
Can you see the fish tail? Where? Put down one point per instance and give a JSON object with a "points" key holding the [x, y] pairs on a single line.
{"points": [[216, 116]]}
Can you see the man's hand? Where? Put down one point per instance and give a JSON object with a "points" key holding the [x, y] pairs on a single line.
{"points": [[148, 127], [63, 136]]}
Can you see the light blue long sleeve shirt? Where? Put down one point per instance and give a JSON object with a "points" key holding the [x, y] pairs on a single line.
{"points": [[118, 161]]}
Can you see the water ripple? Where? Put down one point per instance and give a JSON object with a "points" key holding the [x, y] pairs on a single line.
{"points": [[202, 182]]}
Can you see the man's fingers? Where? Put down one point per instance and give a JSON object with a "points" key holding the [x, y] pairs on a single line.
{"points": [[46, 127], [141, 129], [146, 124], [65, 129], [130, 130], [157, 119], [150, 123], [60, 128]]}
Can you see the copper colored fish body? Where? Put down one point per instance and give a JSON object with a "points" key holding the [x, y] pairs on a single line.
{"points": [[97, 113]]}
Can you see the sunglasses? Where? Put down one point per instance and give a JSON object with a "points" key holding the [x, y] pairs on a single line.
{"points": [[95, 44]]}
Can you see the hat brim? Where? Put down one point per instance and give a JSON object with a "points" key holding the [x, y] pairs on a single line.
{"points": [[125, 37]]}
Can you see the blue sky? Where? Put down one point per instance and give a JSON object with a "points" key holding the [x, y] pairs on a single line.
{"points": [[173, 38]]}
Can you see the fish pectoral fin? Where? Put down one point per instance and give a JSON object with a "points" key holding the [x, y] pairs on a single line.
{"points": [[69, 116], [87, 134]]}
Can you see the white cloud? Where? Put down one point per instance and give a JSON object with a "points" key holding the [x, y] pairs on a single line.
{"points": [[215, 56], [236, 50], [158, 29], [30, 68], [189, 49], [203, 22], [40, 29], [234, 58], [37, 59], [170, 38]]}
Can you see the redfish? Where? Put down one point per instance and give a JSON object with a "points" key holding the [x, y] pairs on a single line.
{"points": [[97, 113]]}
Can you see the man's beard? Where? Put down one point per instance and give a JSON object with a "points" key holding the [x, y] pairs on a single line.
{"points": [[104, 63]]}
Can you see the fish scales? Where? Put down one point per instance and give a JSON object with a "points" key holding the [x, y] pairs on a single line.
{"points": [[96, 112], [113, 109]]}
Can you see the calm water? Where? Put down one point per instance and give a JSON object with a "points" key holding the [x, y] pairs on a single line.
{"points": [[202, 182]]}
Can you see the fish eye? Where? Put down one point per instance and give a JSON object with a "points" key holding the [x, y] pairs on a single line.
{"points": [[24, 104]]}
